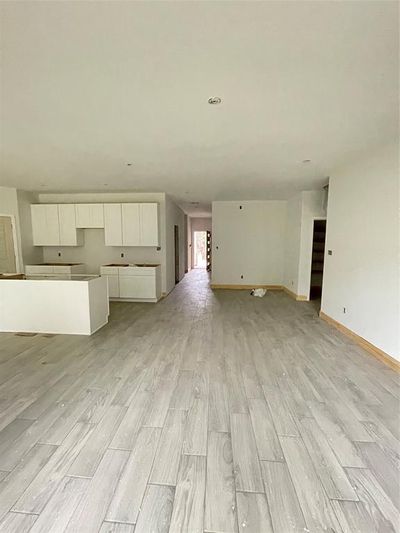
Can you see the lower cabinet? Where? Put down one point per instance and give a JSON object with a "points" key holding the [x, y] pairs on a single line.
{"points": [[55, 269], [113, 286], [133, 283], [137, 287]]}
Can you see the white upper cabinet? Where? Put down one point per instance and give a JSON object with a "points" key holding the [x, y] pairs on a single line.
{"points": [[149, 225], [113, 224], [54, 225], [89, 215], [131, 225], [45, 225], [69, 236]]}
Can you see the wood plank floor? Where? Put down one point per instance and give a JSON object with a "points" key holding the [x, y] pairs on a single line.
{"points": [[208, 412]]}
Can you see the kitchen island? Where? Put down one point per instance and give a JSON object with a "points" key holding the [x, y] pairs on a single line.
{"points": [[65, 304]]}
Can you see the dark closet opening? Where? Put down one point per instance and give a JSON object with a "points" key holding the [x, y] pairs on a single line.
{"points": [[317, 262]]}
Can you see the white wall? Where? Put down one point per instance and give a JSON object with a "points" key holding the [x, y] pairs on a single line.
{"points": [[248, 242], [292, 243], [9, 206], [198, 224], [94, 252], [174, 216], [362, 274]]}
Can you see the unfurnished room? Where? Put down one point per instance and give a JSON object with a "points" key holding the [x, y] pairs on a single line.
{"points": [[199, 266]]}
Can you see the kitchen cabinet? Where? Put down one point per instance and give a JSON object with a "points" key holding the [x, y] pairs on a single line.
{"points": [[45, 224], [89, 215], [113, 224], [52, 269], [69, 236], [59, 306], [137, 287], [134, 283], [55, 225], [131, 225], [127, 224], [148, 216], [111, 273]]}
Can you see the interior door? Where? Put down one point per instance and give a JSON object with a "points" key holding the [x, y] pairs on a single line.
{"points": [[7, 251], [176, 243]]}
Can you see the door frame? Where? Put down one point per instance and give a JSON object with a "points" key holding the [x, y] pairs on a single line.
{"points": [[310, 264], [176, 255], [15, 242], [194, 265]]}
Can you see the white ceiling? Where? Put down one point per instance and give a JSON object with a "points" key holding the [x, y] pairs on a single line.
{"points": [[88, 87]]}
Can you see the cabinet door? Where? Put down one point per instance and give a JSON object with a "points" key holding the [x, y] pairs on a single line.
{"points": [[66, 217], [137, 287], [33, 270], [149, 225], [130, 225], [89, 215], [112, 225], [113, 286], [45, 225]]}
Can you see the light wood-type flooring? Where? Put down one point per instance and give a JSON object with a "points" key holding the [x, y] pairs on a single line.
{"points": [[207, 412]]}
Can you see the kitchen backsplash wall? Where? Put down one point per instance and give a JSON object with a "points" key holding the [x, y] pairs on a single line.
{"points": [[94, 253]]}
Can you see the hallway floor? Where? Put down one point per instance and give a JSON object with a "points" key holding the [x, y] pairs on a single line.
{"points": [[209, 411]]}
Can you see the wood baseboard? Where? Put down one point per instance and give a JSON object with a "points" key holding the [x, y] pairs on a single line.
{"points": [[374, 350], [246, 287], [297, 297]]}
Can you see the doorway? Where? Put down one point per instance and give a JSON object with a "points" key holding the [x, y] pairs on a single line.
{"points": [[176, 247], [317, 261], [200, 249], [8, 261]]}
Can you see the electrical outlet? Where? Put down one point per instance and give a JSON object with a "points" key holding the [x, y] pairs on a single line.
{"points": [[241, 276], [329, 252], [344, 310], [59, 254], [122, 254]]}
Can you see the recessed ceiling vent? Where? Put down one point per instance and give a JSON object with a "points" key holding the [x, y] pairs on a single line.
{"points": [[214, 100]]}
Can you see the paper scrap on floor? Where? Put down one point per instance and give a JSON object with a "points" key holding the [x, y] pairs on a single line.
{"points": [[258, 292]]}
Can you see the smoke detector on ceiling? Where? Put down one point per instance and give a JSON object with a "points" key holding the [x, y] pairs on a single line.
{"points": [[214, 100]]}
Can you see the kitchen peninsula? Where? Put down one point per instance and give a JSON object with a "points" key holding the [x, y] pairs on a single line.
{"points": [[65, 304]]}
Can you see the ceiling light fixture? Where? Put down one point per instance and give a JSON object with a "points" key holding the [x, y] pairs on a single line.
{"points": [[214, 100]]}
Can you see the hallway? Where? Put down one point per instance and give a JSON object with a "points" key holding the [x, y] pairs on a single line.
{"points": [[209, 411]]}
